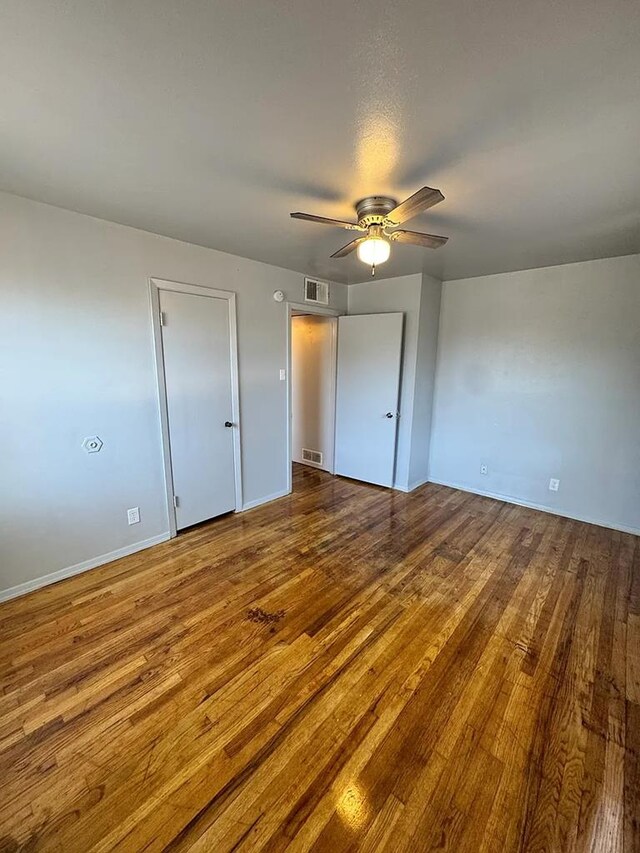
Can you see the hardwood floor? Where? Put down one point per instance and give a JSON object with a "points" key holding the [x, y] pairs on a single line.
{"points": [[345, 669]]}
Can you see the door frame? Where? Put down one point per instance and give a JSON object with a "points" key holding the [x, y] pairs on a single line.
{"points": [[155, 286], [308, 308]]}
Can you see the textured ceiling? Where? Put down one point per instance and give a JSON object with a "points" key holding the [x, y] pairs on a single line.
{"points": [[211, 121]]}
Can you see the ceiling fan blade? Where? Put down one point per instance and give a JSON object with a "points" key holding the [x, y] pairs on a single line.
{"points": [[346, 250], [415, 204], [415, 238], [339, 223]]}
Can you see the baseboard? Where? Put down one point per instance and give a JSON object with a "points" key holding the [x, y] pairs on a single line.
{"points": [[410, 488], [417, 484], [635, 531], [70, 571], [308, 464], [265, 500]]}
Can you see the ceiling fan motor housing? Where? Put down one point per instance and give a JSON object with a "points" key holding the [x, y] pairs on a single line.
{"points": [[373, 210]]}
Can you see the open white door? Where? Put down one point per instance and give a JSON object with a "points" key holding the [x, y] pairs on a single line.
{"points": [[198, 379], [368, 384]]}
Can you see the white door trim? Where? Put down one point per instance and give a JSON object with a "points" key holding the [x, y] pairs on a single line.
{"points": [[306, 308], [155, 286]]}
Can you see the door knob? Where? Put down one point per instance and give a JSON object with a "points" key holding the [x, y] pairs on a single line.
{"points": [[228, 424], [389, 415]]}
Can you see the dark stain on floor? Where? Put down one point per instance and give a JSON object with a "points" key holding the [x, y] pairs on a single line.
{"points": [[260, 616]]}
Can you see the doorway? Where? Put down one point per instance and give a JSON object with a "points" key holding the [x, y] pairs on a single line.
{"points": [[313, 389], [343, 397], [196, 362]]}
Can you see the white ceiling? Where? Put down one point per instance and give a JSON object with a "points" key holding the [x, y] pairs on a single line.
{"points": [[211, 121]]}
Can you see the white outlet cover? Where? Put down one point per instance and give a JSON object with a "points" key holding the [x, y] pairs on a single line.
{"points": [[283, 375], [133, 515], [484, 469], [554, 485]]}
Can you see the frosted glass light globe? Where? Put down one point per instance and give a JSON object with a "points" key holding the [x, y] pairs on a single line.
{"points": [[374, 251]]}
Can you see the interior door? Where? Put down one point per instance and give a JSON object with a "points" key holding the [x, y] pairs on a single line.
{"points": [[368, 383], [197, 371]]}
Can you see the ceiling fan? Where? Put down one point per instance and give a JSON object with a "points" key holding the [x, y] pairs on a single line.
{"points": [[378, 220]]}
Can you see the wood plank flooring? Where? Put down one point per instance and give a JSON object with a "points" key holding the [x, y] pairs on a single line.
{"points": [[347, 668]]}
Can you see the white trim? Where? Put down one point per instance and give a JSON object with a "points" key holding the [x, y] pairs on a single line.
{"points": [[154, 300], [311, 308], [417, 483], [412, 486], [155, 286], [70, 571], [635, 531], [267, 499]]}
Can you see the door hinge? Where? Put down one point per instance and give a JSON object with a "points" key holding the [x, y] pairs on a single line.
{"points": [[176, 502], [163, 319]]}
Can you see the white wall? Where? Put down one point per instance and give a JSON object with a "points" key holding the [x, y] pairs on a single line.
{"points": [[539, 376], [396, 294], [426, 355], [76, 359], [313, 371]]}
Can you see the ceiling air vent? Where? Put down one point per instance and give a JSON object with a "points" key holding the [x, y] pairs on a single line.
{"points": [[313, 456], [316, 291]]}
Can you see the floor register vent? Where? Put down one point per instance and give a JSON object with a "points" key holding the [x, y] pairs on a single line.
{"points": [[313, 456]]}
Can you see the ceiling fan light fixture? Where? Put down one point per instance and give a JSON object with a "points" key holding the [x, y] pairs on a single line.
{"points": [[378, 218], [374, 251]]}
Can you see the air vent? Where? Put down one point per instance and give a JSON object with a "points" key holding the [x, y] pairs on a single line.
{"points": [[316, 291], [313, 456]]}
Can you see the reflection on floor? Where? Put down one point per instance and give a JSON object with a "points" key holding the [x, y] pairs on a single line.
{"points": [[345, 668]]}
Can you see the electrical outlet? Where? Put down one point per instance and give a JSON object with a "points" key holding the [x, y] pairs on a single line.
{"points": [[484, 469], [283, 375], [133, 515], [554, 485]]}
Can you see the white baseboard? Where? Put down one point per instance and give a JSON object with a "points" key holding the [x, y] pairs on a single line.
{"points": [[308, 464], [266, 500], [542, 507], [410, 488], [70, 571]]}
